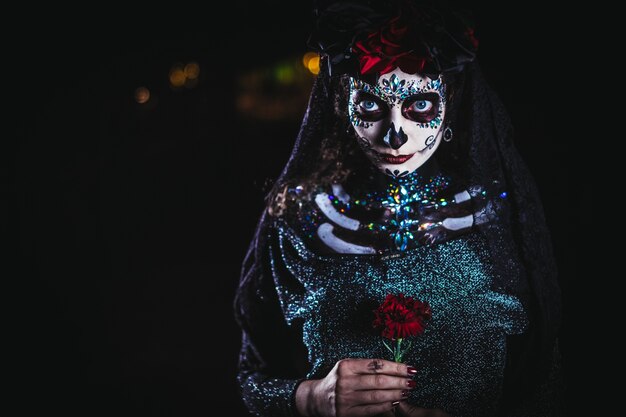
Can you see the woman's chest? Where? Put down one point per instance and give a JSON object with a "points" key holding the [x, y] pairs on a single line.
{"points": [[457, 278]]}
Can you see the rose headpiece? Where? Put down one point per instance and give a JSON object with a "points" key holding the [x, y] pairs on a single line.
{"points": [[361, 38]]}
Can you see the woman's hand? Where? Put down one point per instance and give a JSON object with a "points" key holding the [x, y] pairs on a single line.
{"points": [[356, 387]]}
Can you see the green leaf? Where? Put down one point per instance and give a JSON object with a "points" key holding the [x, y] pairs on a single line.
{"points": [[407, 347], [389, 348]]}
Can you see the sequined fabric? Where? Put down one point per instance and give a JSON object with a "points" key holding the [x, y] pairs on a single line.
{"points": [[326, 299], [270, 396], [460, 357]]}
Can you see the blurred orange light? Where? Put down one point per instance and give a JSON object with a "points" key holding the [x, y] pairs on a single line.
{"points": [[192, 70], [177, 76], [142, 95], [308, 57], [314, 65]]}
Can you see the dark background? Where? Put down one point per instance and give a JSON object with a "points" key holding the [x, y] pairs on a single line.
{"points": [[133, 220]]}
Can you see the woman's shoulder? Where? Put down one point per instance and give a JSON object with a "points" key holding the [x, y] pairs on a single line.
{"points": [[327, 219], [337, 218], [295, 211]]}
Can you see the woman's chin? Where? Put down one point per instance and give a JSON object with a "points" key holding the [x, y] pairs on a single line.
{"points": [[396, 170]]}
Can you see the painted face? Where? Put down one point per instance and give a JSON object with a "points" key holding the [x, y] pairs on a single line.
{"points": [[398, 121]]}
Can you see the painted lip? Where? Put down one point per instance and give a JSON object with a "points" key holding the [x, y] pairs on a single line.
{"points": [[394, 159]]}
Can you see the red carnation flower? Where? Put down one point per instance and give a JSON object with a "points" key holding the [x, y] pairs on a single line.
{"points": [[399, 317]]}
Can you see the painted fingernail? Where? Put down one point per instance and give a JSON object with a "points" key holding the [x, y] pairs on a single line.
{"points": [[410, 383], [411, 371], [405, 394]]}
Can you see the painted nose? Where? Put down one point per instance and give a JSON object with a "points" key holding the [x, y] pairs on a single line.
{"points": [[395, 139]]}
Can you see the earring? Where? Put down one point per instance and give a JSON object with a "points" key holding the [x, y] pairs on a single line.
{"points": [[447, 134]]}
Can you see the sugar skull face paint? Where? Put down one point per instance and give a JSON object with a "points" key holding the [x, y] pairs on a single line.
{"points": [[399, 120]]}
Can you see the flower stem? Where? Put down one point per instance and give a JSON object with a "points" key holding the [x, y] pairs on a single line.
{"points": [[398, 350]]}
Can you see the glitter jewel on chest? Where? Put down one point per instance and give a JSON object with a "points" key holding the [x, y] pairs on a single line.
{"points": [[402, 200]]}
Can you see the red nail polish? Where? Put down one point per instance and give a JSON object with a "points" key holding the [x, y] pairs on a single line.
{"points": [[411, 384], [411, 371], [405, 393]]}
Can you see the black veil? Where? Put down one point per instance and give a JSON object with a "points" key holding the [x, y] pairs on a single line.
{"points": [[482, 152]]}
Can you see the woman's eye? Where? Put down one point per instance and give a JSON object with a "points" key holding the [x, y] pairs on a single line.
{"points": [[422, 105], [369, 105], [369, 108], [421, 108]]}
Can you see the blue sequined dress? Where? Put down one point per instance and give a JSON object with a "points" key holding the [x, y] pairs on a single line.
{"points": [[314, 308]]}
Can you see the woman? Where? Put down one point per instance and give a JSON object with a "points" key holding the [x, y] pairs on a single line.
{"points": [[403, 181]]}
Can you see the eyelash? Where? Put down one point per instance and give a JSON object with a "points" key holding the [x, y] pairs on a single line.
{"points": [[370, 115], [408, 110], [364, 107], [421, 116]]}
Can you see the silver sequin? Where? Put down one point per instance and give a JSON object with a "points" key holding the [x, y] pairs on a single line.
{"points": [[461, 356]]}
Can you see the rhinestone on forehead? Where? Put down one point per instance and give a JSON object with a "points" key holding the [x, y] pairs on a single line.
{"points": [[395, 90]]}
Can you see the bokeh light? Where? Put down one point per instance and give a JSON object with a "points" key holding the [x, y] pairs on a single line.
{"points": [[307, 57], [192, 70], [314, 65], [311, 61], [279, 91], [285, 74], [177, 76], [142, 95]]}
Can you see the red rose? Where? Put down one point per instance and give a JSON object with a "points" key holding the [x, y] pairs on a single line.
{"points": [[399, 317], [391, 47]]}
